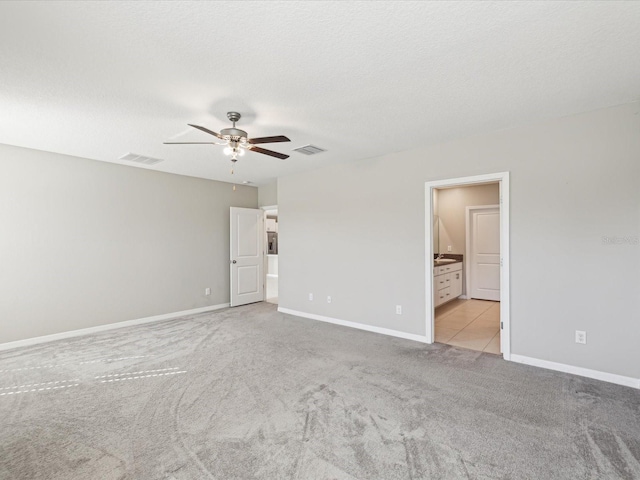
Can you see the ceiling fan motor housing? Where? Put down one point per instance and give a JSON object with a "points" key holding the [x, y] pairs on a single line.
{"points": [[233, 133]]}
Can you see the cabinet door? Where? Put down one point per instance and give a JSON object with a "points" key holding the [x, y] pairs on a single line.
{"points": [[456, 283]]}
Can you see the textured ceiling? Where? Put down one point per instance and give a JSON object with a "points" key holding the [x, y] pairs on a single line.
{"points": [[360, 79]]}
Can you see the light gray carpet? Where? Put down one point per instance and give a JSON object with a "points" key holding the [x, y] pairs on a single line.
{"points": [[250, 393]]}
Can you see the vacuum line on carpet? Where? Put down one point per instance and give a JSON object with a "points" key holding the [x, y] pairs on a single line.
{"points": [[112, 359], [141, 376], [102, 360], [137, 373], [38, 389], [40, 384], [29, 368]]}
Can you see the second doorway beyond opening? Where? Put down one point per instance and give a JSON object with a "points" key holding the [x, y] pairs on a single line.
{"points": [[271, 276]]}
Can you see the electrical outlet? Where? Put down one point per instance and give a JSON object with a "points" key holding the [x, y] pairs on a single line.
{"points": [[398, 309], [448, 248], [207, 291], [310, 296], [328, 299], [581, 337]]}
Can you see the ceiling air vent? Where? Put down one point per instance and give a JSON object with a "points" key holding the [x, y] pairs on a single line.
{"points": [[134, 157], [309, 150]]}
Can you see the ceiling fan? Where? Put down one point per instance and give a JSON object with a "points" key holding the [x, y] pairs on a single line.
{"points": [[236, 141]]}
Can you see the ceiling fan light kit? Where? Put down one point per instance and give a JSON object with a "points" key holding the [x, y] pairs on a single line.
{"points": [[237, 141]]}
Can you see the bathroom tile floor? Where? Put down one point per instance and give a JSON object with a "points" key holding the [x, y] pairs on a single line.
{"points": [[472, 324]]}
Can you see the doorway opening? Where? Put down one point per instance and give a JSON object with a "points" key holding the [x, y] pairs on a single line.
{"points": [[271, 257], [467, 258]]}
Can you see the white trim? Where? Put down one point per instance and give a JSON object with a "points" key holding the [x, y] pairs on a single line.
{"points": [[428, 263], [583, 372], [359, 326], [503, 179], [269, 207], [505, 255], [467, 246], [109, 326]]}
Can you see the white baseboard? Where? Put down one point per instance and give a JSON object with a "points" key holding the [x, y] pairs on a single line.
{"points": [[559, 367], [109, 326], [583, 372], [359, 326]]}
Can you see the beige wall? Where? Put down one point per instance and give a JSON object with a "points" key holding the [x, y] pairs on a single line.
{"points": [[452, 204], [268, 194], [87, 243], [355, 231]]}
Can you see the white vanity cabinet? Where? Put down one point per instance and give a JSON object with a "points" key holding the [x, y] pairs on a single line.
{"points": [[447, 282]]}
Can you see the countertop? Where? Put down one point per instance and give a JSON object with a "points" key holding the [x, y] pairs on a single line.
{"points": [[451, 256]]}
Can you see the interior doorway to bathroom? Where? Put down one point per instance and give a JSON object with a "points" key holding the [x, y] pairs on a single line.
{"points": [[271, 256], [467, 263]]}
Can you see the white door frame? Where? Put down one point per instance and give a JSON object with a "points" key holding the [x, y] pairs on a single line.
{"points": [[503, 179], [467, 253]]}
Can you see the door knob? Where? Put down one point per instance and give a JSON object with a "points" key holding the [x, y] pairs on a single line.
{"points": [[233, 261]]}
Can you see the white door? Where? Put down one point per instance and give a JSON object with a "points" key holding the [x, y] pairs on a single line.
{"points": [[485, 253], [247, 256]]}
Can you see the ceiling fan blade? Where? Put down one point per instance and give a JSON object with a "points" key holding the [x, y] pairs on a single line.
{"points": [[210, 132], [281, 156], [192, 143], [277, 138]]}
